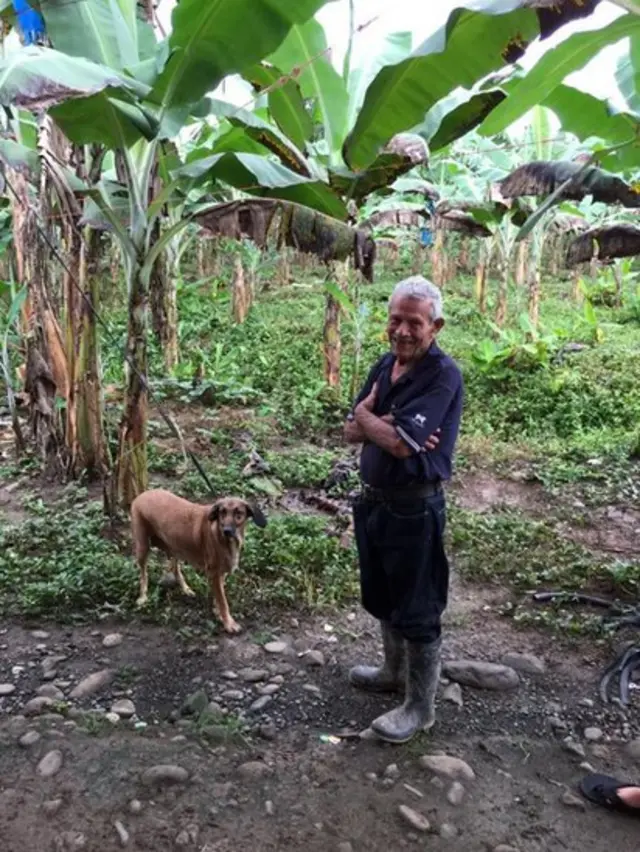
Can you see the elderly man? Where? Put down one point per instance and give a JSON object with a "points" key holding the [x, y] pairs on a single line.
{"points": [[407, 417]]}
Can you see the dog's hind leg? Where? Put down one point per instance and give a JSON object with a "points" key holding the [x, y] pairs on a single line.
{"points": [[141, 551], [185, 588], [217, 585]]}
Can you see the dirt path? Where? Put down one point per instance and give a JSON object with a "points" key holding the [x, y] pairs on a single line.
{"points": [[260, 775]]}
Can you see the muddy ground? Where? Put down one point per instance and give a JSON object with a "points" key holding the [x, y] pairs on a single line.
{"points": [[265, 776]]}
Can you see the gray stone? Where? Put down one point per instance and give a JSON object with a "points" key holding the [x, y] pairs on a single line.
{"points": [[69, 841], [572, 801], [29, 738], [49, 690], [453, 693], [113, 718], [392, 771], [275, 647], [482, 675], [260, 703], [254, 769], [314, 658], [164, 773], [40, 634], [525, 663], [194, 704], [135, 806], [448, 767], [6, 689], [123, 834], [112, 640], [455, 796], [633, 750], [233, 694], [253, 675], [92, 683], [124, 707], [415, 819], [593, 735], [269, 689], [574, 748], [52, 806], [49, 664], [50, 764], [38, 705], [448, 831]]}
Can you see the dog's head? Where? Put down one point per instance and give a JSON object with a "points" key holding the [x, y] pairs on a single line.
{"points": [[231, 514]]}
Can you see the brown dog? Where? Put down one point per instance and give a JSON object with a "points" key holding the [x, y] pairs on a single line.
{"points": [[208, 537]]}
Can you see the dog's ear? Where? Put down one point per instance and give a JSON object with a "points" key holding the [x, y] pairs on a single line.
{"points": [[255, 513], [215, 509]]}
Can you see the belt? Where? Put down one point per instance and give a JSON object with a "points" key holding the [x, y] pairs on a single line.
{"points": [[406, 492]]}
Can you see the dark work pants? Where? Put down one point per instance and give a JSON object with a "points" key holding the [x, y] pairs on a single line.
{"points": [[404, 571]]}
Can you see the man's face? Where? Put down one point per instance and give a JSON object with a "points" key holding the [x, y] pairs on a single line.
{"points": [[410, 329]]}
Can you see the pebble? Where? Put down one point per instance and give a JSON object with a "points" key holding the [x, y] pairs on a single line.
{"points": [[124, 707], [135, 806], [415, 819], [448, 831], [165, 773], [633, 750], [269, 689], [68, 841], [572, 801], [29, 738], [503, 848], [253, 675], [453, 693], [52, 806], [593, 735], [314, 658], [268, 731], [268, 808], [6, 689], [229, 675], [113, 718], [449, 767], [39, 634], [49, 690], [92, 683], [254, 769], [392, 771], [573, 747], [261, 703], [275, 647], [50, 663], [195, 704], [38, 705], [233, 694], [482, 675], [525, 663], [123, 834], [112, 640], [455, 796], [311, 687], [50, 764]]}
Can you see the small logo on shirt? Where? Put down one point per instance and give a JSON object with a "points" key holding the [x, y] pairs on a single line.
{"points": [[420, 419]]}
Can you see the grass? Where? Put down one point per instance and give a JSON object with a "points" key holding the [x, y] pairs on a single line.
{"points": [[566, 419]]}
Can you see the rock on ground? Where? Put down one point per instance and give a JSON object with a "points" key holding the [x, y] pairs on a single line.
{"points": [[164, 774], [450, 767], [92, 683], [482, 675], [414, 819], [50, 764]]}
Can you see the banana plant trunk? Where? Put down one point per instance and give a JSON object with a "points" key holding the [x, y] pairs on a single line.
{"points": [[164, 306], [482, 272], [132, 475], [534, 295], [332, 341], [437, 259], [503, 292], [91, 452], [240, 292], [521, 267]]}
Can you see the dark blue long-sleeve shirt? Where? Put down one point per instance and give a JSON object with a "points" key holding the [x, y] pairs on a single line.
{"points": [[427, 397]]}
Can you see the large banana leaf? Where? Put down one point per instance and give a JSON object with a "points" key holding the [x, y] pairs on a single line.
{"points": [[211, 39], [259, 176], [470, 46], [305, 49], [628, 73], [553, 67], [286, 104], [453, 117], [109, 32], [587, 117], [543, 178], [20, 158]]}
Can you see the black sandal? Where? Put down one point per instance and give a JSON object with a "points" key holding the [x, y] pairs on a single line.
{"points": [[603, 790]]}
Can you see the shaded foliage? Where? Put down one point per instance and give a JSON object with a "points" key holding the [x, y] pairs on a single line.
{"points": [[605, 243]]}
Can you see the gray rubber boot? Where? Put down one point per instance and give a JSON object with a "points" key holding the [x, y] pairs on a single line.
{"points": [[418, 711], [389, 676]]}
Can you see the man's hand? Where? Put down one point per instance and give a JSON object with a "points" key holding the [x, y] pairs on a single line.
{"points": [[433, 440], [369, 401]]}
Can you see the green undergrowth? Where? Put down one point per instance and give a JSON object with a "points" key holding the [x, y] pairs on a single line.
{"points": [[65, 563]]}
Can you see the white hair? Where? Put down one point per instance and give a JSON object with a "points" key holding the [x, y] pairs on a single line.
{"points": [[417, 287]]}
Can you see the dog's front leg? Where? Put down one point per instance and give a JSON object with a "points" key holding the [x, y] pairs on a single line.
{"points": [[216, 581]]}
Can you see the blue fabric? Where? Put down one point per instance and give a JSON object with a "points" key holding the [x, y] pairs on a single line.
{"points": [[30, 23], [426, 398], [426, 237]]}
